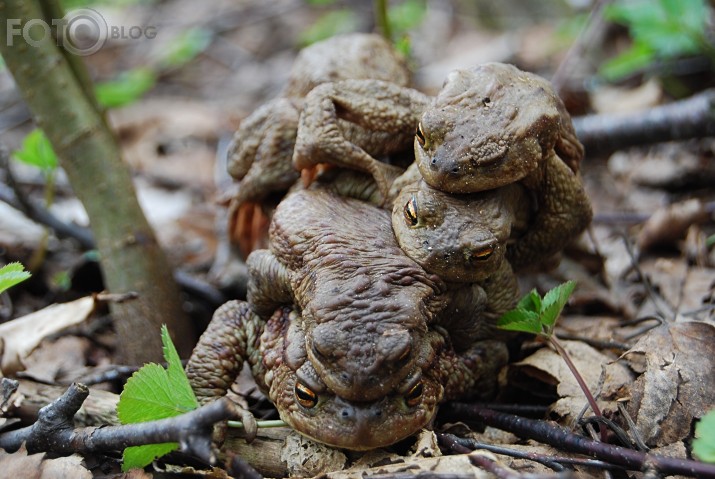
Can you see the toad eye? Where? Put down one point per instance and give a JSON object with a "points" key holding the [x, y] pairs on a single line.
{"points": [[305, 396], [484, 253], [414, 395], [410, 211], [419, 134]]}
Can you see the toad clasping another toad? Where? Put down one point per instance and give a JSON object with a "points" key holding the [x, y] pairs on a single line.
{"points": [[349, 337]]}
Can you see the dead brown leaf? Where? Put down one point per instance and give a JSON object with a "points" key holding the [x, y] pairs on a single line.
{"points": [[678, 383], [172, 140], [307, 458], [546, 366], [668, 225], [53, 359], [19, 337], [35, 466]]}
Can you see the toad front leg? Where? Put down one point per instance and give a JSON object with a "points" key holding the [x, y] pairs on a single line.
{"points": [[564, 211], [269, 285], [349, 123]]}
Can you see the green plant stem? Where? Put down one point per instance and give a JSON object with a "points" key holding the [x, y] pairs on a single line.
{"points": [[579, 379], [382, 20], [38, 256], [261, 424], [130, 255]]}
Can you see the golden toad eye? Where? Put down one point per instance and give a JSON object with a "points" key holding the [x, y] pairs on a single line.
{"points": [[413, 397], [419, 134], [305, 396], [410, 211], [484, 253]]}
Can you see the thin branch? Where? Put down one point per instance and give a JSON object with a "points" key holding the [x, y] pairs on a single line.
{"points": [[54, 429], [490, 465], [693, 117], [594, 26], [563, 439], [39, 214], [553, 462], [12, 195]]}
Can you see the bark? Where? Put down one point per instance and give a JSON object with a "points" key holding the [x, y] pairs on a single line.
{"points": [[693, 117], [55, 430], [130, 254]]}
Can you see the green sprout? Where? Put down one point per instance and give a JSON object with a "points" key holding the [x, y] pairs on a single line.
{"points": [[661, 30], [12, 274], [536, 315]]}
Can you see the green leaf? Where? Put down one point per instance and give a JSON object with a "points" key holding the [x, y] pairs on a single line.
{"points": [[635, 59], [406, 16], [136, 457], [129, 87], [186, 47], [660, 29], [530, 302], [704, 442], [37, 151], [328, 25], [554, 301], [155, 393], [12, 274], [520, 320]]}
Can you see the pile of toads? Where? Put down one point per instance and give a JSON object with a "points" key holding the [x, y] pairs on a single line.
{"points": [[386, 268]]}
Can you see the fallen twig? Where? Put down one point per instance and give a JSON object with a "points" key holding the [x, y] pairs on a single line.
{"points": [[553, 462], [563, 439], [693, 117], [54, 431], [490, 465], [12, 195]]}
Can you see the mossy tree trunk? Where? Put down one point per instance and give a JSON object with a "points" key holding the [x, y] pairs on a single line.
{"points": [[131, 258]]}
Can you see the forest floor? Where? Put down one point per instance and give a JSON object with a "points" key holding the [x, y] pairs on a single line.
{"points": [[639, 325]]}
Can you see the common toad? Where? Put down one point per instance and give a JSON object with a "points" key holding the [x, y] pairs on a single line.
{"points": [[276, 352], [260, 153], [489, 126], [365, 305]]}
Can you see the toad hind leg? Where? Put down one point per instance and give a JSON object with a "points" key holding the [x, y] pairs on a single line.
{"points": [[231, 338], [347, 123]]}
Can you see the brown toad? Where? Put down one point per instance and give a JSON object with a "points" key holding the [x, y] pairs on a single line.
{"points": [[365, 305], [488, 127], [276, 352], [260, 153]]}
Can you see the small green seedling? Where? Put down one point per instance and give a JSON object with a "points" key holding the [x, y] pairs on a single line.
{"points": [[129, 87], [185, 47], [328, 25], [661, 30], [155, 393], [37, 151], [537, 315], [12, 274], [704, 442]]}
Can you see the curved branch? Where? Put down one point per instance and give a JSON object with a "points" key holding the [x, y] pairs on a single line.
{"points": [[54, 429], [559, 437]]}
